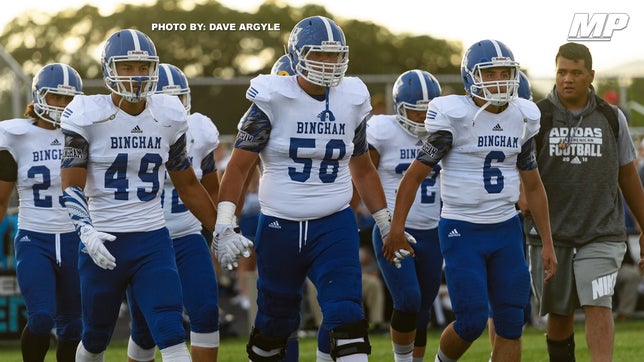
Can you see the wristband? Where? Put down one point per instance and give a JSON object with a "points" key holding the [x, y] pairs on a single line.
{"points": [[226, 213]]}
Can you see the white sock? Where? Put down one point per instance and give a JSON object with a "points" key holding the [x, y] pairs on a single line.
{"points": [[358, 357], [403, 353], [177, 353], [323, 357], [83, 355]]}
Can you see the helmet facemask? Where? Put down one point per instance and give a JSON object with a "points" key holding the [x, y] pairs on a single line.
{"points": [[132, 88], [325, 74], [47, 112], [413, 128], [497, 92], [59, 79]]}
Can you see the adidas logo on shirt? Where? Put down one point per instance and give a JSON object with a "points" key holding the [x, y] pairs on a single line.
{"points": [[136, 129], [274, 225], [55, 142], [454, 233], [497, 128], [25, 239]]}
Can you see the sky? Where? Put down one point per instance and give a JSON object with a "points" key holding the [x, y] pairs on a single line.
{"points": [[533, 30]]}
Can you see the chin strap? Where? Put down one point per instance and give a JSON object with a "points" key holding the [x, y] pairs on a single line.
{"points": [[481, 109]]}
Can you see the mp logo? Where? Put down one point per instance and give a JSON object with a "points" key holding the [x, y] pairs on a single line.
{"points": [[597, 26]]}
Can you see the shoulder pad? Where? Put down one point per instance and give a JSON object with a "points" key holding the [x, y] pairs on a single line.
{"points": [[355, 87], [528, 108], [203, 130], [452, 106], [379, 127], [167, 108], [16, 126], [263, 87], [84, 110]]}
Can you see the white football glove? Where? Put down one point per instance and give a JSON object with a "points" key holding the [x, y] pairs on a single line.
{"points": [[93, 241], [382, 218], [229, 244]]}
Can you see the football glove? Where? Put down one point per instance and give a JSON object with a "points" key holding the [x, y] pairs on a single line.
{"points": [[382, 218], [93, 241], [229, 244]]}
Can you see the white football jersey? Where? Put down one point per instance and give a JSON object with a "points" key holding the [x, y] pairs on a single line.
{"points": [[305, 161], [38, 152], [202, 138], [127, 156], [479, 176], [397, 150]]}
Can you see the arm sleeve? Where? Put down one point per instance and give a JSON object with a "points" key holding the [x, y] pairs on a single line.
{"points": [[435, 148], [178, 159], [76, 151], [254, 130], [527, 159], [360, 139]]}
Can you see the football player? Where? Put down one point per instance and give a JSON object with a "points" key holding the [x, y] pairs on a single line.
{"points": [[309, 132], [194, 263], [394, 141], [117, 149], [46, 244], [484, 140]]}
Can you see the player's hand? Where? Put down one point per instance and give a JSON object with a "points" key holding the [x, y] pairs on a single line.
{"points": [[403, 253], [229, 244], [93, 241], [398, 249]]}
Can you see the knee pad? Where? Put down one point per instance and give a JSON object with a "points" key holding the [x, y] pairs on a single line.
{"points": [[138, 353], [70, 331], [265, 343], [341, 313], [470, 326], [350, 331], [403, 321], [205, 340], [40, 324], [205, 319], [508, 322], [421, 337], [167, 329], [407, 299], [562, 351]]}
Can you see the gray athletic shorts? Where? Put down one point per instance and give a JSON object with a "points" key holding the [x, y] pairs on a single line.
{"points": [[585, 276]]}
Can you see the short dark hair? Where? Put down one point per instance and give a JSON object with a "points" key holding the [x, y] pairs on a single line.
{"points": [[576, 51]]}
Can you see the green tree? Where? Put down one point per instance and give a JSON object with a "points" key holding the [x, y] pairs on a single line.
{"points": [[75, 36]]}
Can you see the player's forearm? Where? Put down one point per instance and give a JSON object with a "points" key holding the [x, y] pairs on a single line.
{"points": [[198, 201], [538, 204]]}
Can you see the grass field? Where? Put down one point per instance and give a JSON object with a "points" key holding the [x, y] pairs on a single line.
{"points": [[628, 347]]}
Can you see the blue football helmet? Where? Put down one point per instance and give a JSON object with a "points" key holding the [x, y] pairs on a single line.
{"points": [[130, 46], [172, 81], [318, 34], [488, 54], [283, 66], [54, 78], [525, 91], [412, 91]]}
